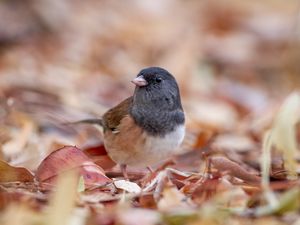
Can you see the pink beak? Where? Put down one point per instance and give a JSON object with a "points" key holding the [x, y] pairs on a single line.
{"points": [[139, 81]]}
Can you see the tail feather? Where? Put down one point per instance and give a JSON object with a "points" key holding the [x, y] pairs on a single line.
{"points": [[89, 121]]}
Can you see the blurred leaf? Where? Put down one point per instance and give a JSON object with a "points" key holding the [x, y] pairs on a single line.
{"points": [[283, 137], [81, 186], [17, 144], [173, 199], [225, 165], [134, 216], [9, 173], [283, 133], [63, 199], [181, 218], [234, 142], [16, 214], [265, 167], [288, 201]]}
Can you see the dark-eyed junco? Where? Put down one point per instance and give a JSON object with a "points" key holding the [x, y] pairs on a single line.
{"points": [[147, 127]]}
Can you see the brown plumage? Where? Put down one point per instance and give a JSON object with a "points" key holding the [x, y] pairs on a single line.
{"points": [[112, 118]]}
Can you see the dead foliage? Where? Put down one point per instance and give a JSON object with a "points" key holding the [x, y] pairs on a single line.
{"points": [[237, 65]]}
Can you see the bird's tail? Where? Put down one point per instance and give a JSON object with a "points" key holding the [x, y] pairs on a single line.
{"points": [[89, 121]]}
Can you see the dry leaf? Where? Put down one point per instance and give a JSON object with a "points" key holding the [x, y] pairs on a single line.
{"points": [[68, 158], [63, 199], [283, 132], [172, 199], [99, 156], [138, 216], [225, 165], [127, 186], [9, 173]]}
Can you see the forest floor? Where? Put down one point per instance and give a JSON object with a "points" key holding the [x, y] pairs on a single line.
{"points": [[237, 66]]}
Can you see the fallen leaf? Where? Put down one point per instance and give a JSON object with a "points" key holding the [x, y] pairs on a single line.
{"points": [[204, 190], [283, 132], [234, 169], [229, 195], [63, 199], [127, 186], [138, 216], [19, 139], [288, 201], [68, 158], [10, 173], [17, 213], [173, 199], [95, 150], [99, 156]]}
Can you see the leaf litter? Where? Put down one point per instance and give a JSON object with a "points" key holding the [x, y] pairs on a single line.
{"points": [[236, 63]]}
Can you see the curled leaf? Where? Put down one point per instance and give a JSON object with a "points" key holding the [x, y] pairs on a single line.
{"points": [[68, 158], [234, 169]]}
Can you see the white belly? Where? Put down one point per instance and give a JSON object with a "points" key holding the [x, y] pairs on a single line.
{"points": [[158, 149]]}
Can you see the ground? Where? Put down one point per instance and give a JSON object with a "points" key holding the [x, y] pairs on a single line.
{"points": [[237, 66]]}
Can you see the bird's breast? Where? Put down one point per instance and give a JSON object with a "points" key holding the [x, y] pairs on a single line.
{"points": [[166, 144], [137, 148]]}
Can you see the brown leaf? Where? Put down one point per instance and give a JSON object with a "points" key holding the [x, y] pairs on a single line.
{"points": [[234, 169], [99, 156], [10, 173], [95, 150], [67, 158], [204, 190]]}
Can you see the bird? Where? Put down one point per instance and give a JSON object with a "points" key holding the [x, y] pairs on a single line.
{"points": [[148, 127]]}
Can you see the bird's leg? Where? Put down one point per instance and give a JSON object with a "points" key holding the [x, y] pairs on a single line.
{"points": [[124, 171], [162, 167], [153, 173], [157, 184]]}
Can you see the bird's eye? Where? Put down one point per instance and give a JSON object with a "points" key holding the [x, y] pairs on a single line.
{"points": [[158, 79]]}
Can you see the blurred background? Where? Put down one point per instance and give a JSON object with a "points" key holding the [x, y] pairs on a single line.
{"points": [[65, 60]]}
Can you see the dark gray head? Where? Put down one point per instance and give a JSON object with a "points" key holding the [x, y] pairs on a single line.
{"points": [[156, 101], [157, 87]]}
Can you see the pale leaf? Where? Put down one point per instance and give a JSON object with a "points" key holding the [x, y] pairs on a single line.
{"points": [[127, 186]]}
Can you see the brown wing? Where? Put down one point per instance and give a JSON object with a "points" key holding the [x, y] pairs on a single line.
{"points": [[112, 118]]}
